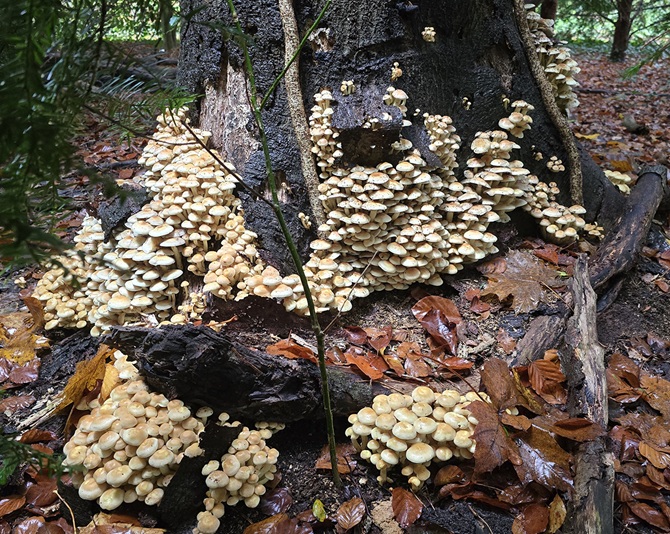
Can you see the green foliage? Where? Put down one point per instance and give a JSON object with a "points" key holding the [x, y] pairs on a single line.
{"points": [[55, 63], [14, 454]]}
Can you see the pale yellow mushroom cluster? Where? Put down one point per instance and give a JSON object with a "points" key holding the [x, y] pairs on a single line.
{"points": [[193, 222], [414, 431], [241, 475], [519, 120], [128, 448], [555, 165], [428, 34], [620, 179], [556, 60]]}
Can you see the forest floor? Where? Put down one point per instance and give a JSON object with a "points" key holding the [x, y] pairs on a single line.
{"points": [[635, 328]]}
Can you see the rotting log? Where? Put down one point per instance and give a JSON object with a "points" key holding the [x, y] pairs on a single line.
{"points": [[583, 361], [205, 368]]}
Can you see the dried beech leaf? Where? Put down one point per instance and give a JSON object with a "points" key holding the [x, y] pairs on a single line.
{"points": [[441, 330], [11, 504], [533, 519], [378, 338], [659, 459], [406, 506], [446, 306], [36, 434], [650, 515], [448, 475], [578, 429], [16, 403], [86, 376], [499, 384], [276, 501], [350, 513], [543, 460], [25, 374], [625, 368], [346, 458], [656, 391], [507, 343], [524, 280], [106, 524], [290, 349], [267, 526], [557, 514], [355, 334], [42, 492], [494, 446], [364, 364], [519, 422]]}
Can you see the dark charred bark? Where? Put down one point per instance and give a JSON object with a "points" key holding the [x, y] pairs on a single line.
{"points": [[622, 28], [477, 57], [204, 368]]}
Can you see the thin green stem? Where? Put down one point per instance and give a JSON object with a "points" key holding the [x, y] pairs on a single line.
{"points": [[297, 261]]}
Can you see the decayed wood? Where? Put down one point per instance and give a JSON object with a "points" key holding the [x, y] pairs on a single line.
{"points": [[543, 333], [583, 361], [203, 367], [618, 252]]}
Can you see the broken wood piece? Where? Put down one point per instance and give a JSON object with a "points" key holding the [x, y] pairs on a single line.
{"points": [[583, 362], [543, 334]]}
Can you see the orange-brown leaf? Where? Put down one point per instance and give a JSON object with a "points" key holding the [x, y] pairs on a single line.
{"points": [[494, 446], [290, 349], [578, 429], [544, 461], [86, 377], [346, 458], [533, 519], [446, 306], [658, 459], [11, 504], [406, 506], [350, 513], [545, 378]]}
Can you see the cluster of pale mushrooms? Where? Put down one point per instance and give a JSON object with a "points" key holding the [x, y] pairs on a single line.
{"points": [[387, 226], [620, 179], [241, 475], [128, 448], [556, 60], [413, 431]]}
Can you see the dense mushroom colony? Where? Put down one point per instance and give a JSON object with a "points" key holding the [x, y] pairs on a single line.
{"points": [[413, 431], [556, 61], [129, 446], [192, 223], [620, 179], [241, 475]]}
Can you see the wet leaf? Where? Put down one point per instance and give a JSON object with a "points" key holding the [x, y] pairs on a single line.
{"points": [[346, 458], [546, 378], [499, 384], [659, 459], [533, 519], [518, 422], [656, 391], [276, 501], [41, 493], [365, 364], [267, 526], [406, 506], [543, 460], [378, 338], [449, 474], [355, 334], [86, 376], [11, 504], [557, 514], [650, 515], [494, 446], [14, 404], [625, 368], [507, 343], [319, 511], [394, 362], [446, 306], [350, 513], [35, 435], [25, 374], [20, 345], [441, 330], [479, 306], [524, 280], [417, 368], [578, 429], [290, 349]]}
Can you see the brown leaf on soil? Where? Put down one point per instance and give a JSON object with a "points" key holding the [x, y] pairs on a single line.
{"points": [[41, 493], [657, 477], [346, 458], [499, 384], [543, 460], [16, 403], [25, 374], [267, 526], [290, 349], [549, 253], [557, 514], [656, 391], [533, 519], [495, 266], [20, 346], [479, 306], [379, 338], [441, 330], [406, 506], [494, 446], [350, 513], [619, 390], [518, 494], [11, 504], [524, 280], [448, 475], [115, 524], [365, 362], [86, 377], [546, 378], [394, 362], [519, 422], [35, 435], [507, 343], [578, 429], [4, 527], [625, 368], [658, 459], [276, 501], [446, 306], [650, 515]]}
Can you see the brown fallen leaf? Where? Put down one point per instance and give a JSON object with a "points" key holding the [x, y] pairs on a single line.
{"points": [[656, 391], [507, 343], [533, 519], [406, 506], [366, 362], [543, 460], [546, 378], [35, 435], [494, 446], [578, 429], [379, 338], [290, 349], [10, 504], [659, 459], [21, 344], [267, 526], [42, 492], [446, 306], [350, 513], [104, 524], [524, 280], [276, 501], [442, 331], [449, 474], [346, 458], [499, 384], [557, 514], [16, 403]]}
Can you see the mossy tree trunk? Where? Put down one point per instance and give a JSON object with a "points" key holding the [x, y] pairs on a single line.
{"points": [[475, 65]]}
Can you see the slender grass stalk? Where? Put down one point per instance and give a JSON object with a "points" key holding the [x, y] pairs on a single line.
{"points": [[276, 207]]}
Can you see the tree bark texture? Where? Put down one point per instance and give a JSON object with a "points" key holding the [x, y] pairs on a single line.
{"points": [[548, 9], [476, 61], [622, 28]]}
